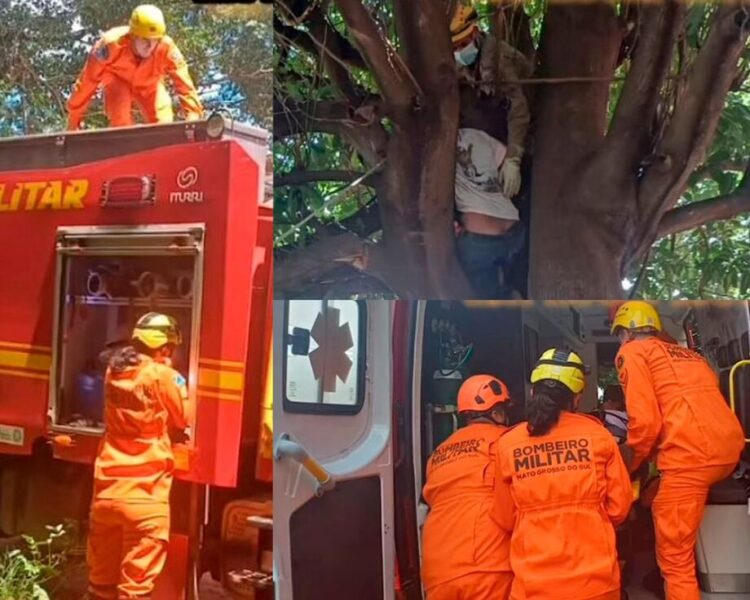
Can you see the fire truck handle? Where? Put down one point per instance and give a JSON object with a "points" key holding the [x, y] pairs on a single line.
{"points": [[732, 402], [259, 522], [288, 448]]}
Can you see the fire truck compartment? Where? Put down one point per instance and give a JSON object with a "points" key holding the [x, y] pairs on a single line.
{"points": [[106, 279]]}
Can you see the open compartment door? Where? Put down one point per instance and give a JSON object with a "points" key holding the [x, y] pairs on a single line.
{"points": [[333, 471], [106, 278]]}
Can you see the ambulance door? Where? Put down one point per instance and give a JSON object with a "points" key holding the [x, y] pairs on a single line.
{"points": [[333, 482]]}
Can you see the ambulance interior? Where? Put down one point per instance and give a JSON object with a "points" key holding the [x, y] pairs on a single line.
{"points": [[101, 298], [462, 339]]}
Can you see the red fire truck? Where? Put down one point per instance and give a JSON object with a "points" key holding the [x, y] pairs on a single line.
{"points": [[96, 229]]}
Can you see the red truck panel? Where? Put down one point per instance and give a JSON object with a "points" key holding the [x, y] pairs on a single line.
{"points": [[213, 183]]}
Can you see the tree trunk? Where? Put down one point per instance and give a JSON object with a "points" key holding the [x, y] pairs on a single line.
{"points": [[576, 242]]}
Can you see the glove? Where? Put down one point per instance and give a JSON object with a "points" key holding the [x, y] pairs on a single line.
{"points": [[509, 176]]}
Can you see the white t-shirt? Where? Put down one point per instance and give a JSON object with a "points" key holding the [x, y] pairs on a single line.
{"points": [[478, 157]]}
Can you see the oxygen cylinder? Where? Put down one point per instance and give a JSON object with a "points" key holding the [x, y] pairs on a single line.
{"points": [[443, 410], [90, 395]]}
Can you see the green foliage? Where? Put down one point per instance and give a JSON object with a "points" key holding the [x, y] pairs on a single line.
{"points": [[23, 574], [712, 261]]}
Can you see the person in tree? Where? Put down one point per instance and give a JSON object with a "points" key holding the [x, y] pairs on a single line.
{"points": [[488, 171]]}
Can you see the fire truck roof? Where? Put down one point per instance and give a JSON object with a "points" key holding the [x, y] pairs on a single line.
{"points": [[49, 151]]}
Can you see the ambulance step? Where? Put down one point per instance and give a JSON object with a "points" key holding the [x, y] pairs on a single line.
{"points": [[252, 580]]}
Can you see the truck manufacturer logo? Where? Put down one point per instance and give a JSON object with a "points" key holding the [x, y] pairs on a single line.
{"points": [[186, 178], [59, 194]]}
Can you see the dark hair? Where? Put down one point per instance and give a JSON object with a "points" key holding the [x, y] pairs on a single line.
{"points": [[123, 358], [472, 415], [548, 399]]}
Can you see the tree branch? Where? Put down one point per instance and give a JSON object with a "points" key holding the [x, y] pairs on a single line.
{"points": [[307, 266], [325, 43], [347, 53], [301, 177], [699, 213], [397, 87], [707, 170], [423, 32], [630, 129], [694, 122], [359, 127], [696, 214]]}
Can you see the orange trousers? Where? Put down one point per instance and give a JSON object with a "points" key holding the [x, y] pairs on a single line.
{"points": [[678, 510], [614, 595], [127, 548], [155, 106], [475, 586]]}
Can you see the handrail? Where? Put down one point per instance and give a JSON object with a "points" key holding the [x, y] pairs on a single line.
{"points": [[737, 365], [288, 448]]}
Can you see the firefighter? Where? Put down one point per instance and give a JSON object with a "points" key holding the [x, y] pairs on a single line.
{"points": [[130, 63], [465, 555], [562, 487], [677, 412], [488, 172], [129, 521], [494, 66]]}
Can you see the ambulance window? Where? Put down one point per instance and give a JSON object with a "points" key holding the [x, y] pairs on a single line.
{"points": [[324, 358]]}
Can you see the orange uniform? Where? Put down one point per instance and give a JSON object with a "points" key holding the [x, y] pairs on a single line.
{"points": [[676, 410], [127, 78], [465, 554], [133, 477], [561, 495]]}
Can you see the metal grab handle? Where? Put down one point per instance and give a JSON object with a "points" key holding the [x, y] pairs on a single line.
{"points": [[288, 448], [737, 365], [259, 522]]}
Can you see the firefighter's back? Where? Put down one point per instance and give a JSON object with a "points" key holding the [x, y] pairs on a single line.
{"points": [[135, 460], [569, 486], [459, 536], [699, 428]]}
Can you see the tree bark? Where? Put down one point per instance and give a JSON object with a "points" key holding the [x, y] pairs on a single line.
{"points": [[420, 92], [575, 241]]}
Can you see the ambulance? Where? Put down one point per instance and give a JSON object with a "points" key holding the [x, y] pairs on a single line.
{"points": [[98, 228], [366, 390]]}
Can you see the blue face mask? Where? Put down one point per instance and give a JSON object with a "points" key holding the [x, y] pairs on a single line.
{"points": [[466, 55]]}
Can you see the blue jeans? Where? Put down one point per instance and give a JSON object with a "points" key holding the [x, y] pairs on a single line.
{"points": [[483, 256]]}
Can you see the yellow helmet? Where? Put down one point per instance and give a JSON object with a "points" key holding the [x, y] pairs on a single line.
{"points": [[155, 330], [637, 315], [463, 21], [561, 365], [147, 21]]}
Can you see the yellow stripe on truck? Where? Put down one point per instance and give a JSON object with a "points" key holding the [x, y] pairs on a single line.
{"points": [[25, 360], [26, 374], [15, 345], [229, 364], [223, 380], [220, 396]]}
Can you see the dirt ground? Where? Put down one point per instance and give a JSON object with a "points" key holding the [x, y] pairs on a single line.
{"points": [[212, 590], [75, 587]]}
